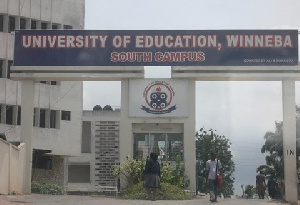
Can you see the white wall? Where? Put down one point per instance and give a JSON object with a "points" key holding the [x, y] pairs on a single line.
{"points": [[11, 169]]}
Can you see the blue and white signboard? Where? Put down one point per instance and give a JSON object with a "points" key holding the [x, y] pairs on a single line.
{"points": [[156, 48], [158, 98]]}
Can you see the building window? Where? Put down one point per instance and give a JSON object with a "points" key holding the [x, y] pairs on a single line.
{"points": [[86, 137], [44, 25], [1, 23], [65, 115], [68, 27], [12, 24], [1, 68], [19, 116], [54, 83], [9, 114], [53, 118], [33, 25], [79, 174], [9, 64], [55, 26], [23, 23], [41, 161], [35, 116], [43, 118]]}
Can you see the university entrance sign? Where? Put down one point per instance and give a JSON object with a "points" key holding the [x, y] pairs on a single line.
{"points": [[194, 55], [156, 48]]}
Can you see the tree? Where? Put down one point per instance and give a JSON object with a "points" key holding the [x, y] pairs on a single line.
{"points": [[250, 191], [207, 142], [97, 107], [273, 148], [107, 107]]}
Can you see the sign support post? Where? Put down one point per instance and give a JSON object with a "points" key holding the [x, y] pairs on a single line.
{"points": [[289, 141], [27, 97]]}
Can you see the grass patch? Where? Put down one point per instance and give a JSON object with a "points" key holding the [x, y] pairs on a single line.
{"points": [[47, 188]]}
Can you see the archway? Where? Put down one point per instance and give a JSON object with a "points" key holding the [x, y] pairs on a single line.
{"points": [[195, 55]]}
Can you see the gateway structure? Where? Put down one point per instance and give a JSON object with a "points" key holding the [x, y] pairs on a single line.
{"points": [[155, 114]]}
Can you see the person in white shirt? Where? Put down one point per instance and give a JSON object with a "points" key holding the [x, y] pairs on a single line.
{"points": [[213, 166]]}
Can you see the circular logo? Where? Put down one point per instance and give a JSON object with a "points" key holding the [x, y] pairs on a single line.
{"points": [[158, 96]]}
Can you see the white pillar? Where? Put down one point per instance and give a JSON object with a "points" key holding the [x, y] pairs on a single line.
{"points": [[27, 98], [125, 134], [189, 137], [289, 141]]}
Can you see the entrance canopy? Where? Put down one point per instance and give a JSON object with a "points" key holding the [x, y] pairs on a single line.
{"points": [[113, 55]]}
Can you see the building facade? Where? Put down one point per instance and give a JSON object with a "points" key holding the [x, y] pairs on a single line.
{"points": [[155, 116], [57, 105], [100, 152]]}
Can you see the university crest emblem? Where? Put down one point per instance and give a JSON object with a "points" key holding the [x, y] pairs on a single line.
{"points": [[158, 96]]}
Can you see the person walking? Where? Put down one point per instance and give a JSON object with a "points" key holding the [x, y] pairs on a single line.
{"points": [[213, 166], [152, 176], [261, 185]]}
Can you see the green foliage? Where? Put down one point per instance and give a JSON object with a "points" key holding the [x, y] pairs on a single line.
{"points": [[175, 176], [207, 142], [47, 188], [273, 147], [166, 191], [131, 170], [250, 190]]}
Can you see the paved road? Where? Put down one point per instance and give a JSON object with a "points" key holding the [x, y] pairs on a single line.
{"points": [[96, 200]]}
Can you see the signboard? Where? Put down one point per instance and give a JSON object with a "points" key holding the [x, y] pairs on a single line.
{"points": [[158, 98], [156, 48]]}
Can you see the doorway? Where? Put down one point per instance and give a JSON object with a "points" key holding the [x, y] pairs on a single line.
{"points": [[168, 146]]}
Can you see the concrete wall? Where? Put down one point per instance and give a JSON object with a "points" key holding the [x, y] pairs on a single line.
{"points": [[11, 169]]}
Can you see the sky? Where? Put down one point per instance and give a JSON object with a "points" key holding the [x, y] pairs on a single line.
{"points": [[242, 111]]}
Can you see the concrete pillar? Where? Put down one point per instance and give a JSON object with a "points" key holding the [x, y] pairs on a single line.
{"points": [[27, 98], [126, 139], [125, 136], [189, 137], [289, 141]]}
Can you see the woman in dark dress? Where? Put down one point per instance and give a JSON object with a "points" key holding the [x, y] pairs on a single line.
{"points": [[152, 176]]}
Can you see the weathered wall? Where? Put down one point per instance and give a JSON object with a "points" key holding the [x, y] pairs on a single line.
{"points": [[55, 175]]}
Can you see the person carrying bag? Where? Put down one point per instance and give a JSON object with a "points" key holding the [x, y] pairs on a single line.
{"points": [[213, 166]]}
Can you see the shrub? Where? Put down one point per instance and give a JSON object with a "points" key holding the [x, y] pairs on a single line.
{"points": [[165, 192], [175, 176], [132, 170], [47, 188]]}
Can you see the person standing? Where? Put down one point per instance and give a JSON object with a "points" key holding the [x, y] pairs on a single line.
{"points": [[213, 166], [152, 176], [261, 185]]}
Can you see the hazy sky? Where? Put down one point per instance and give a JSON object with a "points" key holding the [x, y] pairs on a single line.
{"points": [[242, 111]]}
